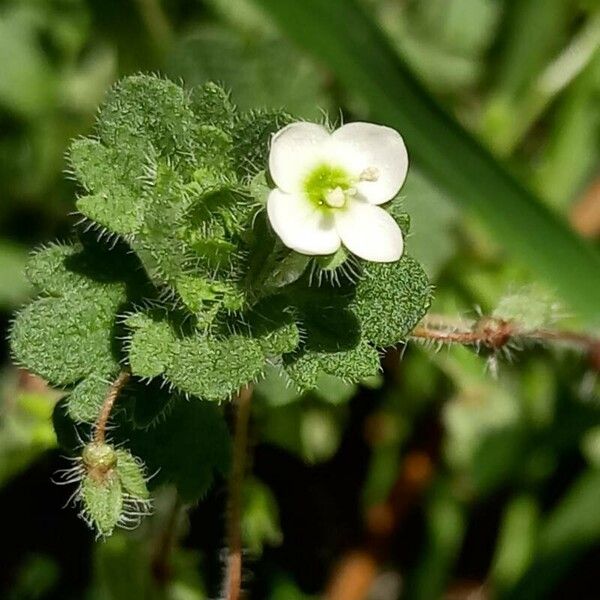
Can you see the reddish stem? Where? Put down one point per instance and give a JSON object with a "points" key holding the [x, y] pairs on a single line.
{"points": [[113, 392], [233, 575]]}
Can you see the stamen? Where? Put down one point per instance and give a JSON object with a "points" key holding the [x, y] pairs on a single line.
{"points": [[370, 174], [335, 198]]}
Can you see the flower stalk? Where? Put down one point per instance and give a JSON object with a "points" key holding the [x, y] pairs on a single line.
{"points": [[113, 392]]}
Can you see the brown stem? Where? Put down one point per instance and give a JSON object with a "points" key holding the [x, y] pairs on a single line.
{"points": [[233, 575], [448, 337], [496, 333], [111, 396]]}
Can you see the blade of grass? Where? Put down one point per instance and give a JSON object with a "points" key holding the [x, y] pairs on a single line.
{"points": [[572, 528], [446, 528], [516, 542], [341, 34]]}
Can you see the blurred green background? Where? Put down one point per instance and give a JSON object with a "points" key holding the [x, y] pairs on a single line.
{"points": [[456, 474]]}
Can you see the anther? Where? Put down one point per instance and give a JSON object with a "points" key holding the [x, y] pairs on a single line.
{"points": [[370, 174]]}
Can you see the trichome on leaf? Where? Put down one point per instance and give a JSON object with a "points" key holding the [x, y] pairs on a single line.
{"points": [[177, 277]]}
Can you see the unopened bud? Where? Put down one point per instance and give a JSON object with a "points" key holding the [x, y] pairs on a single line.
{"points": [[99, 457]]}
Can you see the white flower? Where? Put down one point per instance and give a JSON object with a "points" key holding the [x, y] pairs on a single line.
{"points": [[329, 186]]}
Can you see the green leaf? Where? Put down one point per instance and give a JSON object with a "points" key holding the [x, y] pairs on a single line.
{"points": [[159, 147], [150, 345], [349, 365], [332, 341], [48, 269], [147, 110], [102, 501], [212, 368], [186, 448], [64, 341], [113, 178], [391, 299], [85, 401], [147, 403], [204, 297], [273, 325], [213, 106], [367, 66], [251, 139], [69, 332], [131, 474]]}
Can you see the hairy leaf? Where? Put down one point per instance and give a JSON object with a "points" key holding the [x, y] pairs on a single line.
{"points": [[85, 401], [186, 448], [131, 474], [390, 300], [102, 501]]}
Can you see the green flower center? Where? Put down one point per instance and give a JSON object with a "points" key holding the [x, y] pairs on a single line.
{"points": [[328, 186]]}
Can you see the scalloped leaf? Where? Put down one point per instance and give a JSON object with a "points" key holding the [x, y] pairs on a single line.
{"points": [[332, 342], [390, 300], [155, 111], [350, 365], [66, 339], [113, 180], [70, 333], [212, 368]]}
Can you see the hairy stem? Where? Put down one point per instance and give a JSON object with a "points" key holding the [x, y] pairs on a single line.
{"points": [[497, 333], [233, 575], [113, 392]]}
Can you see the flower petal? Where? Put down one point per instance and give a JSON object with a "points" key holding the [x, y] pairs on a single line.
{"points": [[294, 150], [376, 147], [300, 225], [369, 232]]}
